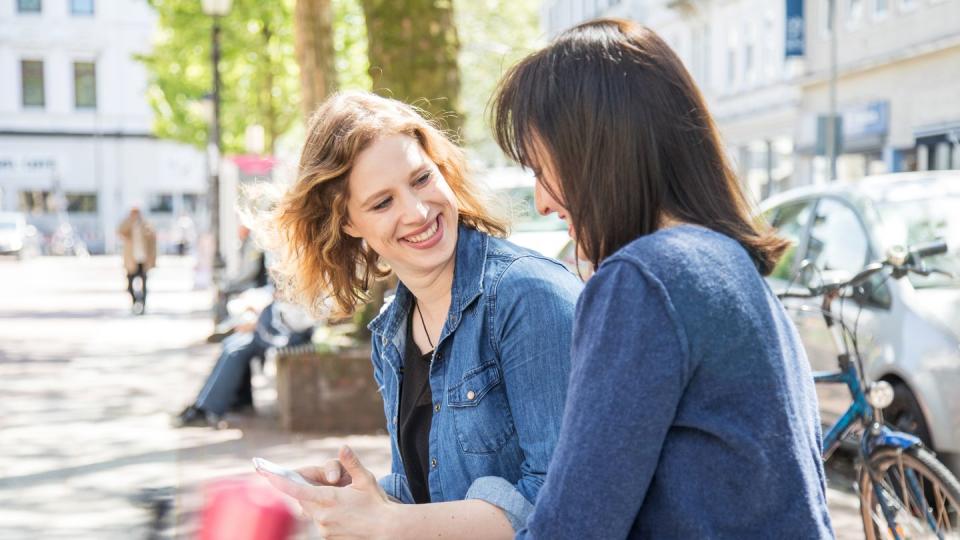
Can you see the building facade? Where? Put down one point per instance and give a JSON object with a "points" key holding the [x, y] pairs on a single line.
{"points": [[76, 149], [764, 67]]}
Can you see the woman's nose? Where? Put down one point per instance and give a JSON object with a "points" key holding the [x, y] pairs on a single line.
{"points": [[542, 200], [415, 210]]}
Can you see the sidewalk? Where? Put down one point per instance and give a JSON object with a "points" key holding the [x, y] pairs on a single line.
{"points": [[88, 393]]}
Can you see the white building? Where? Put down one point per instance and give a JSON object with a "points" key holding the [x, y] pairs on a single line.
{"points": [[75, 125], [898, 79]]}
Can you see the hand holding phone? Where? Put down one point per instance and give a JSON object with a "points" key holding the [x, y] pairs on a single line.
{"points": [[272, 468]]}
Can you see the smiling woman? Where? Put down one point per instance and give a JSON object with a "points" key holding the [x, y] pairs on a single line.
{"points": [[472, 354]]}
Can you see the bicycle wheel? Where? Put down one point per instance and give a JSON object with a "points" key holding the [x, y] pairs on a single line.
{"points": [[913, 489]]}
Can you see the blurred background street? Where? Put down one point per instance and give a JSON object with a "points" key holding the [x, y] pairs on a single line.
{"points": [[89, 391]]}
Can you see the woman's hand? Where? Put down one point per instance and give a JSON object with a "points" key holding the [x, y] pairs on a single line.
{"points": [[330, 473], [347, 503]]}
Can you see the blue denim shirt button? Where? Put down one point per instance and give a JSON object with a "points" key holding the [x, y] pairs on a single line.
{"points": [[471, 395], [436, 408], [394, 419], [433, 463]]}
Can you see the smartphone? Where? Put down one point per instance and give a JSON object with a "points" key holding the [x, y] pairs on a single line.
{"points": [[272, 468]]}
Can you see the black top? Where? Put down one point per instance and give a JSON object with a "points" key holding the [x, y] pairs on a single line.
{"points": [[416, 413]]}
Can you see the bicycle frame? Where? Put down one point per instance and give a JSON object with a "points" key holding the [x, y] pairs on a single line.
{"points": [[875, 433], [858, 410]]}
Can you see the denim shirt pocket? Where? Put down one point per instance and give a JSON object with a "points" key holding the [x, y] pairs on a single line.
{"points": [[481, 412]]}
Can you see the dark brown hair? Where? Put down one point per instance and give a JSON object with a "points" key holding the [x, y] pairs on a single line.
{"points": [[629, 139]]}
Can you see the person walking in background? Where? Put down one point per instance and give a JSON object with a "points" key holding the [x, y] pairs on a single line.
{"points": [[691, 411], [139, 255]]}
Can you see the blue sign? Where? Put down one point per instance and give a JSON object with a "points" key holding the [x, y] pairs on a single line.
{"points": [[794, 39], [869, 119]]}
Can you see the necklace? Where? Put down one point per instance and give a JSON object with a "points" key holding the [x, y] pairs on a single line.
{"points": [[424, 324]]}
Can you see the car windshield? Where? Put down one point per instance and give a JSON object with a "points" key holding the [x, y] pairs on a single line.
{"points": [[527, 219], [915, 221]]}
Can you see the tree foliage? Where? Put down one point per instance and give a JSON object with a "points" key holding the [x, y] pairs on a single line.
{"points": [[452, 54], [494, 35], [258, 71]]}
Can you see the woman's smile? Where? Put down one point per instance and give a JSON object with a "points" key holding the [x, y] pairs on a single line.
{"points": [[427, 236]]}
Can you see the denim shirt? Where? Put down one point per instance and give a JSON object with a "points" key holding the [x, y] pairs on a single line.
{"points": [[498, 375]]}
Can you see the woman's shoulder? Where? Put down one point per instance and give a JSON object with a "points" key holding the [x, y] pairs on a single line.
{"points": [[514, 270], [504, 255], [685, 250]]}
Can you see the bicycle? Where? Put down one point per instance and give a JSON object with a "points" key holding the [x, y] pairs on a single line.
{"points": [[904, 491]]}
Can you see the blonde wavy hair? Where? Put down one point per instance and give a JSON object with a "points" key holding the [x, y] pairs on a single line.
{"points": [[316, 260]]}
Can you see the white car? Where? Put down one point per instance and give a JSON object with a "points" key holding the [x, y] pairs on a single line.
{"points": [[13, 233], [543, 234], [908, 329]]}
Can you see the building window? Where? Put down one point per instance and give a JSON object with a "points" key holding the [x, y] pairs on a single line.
{"points": [[29, 6], [161, 203], [36, 202], [826, 20], [31, 79], [854, 12], [192, 202], [85, 85], [78, 203], [880, 8], [731, 60], [81, 7]]}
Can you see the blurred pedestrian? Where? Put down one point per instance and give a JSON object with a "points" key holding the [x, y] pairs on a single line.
{"points": [[185, 233], [691, 409], [139, 255]]}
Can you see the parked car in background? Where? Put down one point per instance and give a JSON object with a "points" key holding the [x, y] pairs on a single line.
{"points": [[14, 233], [908, 329], [543, 234]]}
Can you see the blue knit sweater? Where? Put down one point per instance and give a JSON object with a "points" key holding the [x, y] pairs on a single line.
{"points": [[691, 411]]}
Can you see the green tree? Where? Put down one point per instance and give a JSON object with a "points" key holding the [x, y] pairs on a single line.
{"points": [[258, 71], [413, 48], [350, 43], [494, 35]]}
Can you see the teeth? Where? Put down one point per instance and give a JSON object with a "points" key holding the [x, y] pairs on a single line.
{"points": [[424, 235]]}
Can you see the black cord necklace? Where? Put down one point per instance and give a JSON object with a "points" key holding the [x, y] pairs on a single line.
{"points": [[424, 324]]}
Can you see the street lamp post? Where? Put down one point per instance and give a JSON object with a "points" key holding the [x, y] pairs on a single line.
{"points": [[832, 133], [216, 9]]}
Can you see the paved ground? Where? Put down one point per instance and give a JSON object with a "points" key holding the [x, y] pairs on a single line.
{"points": [[87, 391]]}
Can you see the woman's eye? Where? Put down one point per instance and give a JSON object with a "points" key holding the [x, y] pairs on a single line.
{"points": [[382, 204], [423, 179]]}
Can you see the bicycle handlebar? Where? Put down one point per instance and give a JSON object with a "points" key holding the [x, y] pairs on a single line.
{"points": [[900, 260], [928, 249]]}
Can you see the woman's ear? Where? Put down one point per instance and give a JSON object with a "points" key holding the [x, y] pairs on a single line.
{"points": [[349, 229]]}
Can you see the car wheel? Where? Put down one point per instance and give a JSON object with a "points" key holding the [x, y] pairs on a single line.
{"points": [[904, 413]]}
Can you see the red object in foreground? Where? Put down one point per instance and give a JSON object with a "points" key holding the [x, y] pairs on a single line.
{"points": [[244, 509]]}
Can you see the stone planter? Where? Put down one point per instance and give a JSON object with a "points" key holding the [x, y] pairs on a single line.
{"points": [[328, 391]]}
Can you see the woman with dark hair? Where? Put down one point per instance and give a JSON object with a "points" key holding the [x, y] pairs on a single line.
{"points": [[691, 411]]}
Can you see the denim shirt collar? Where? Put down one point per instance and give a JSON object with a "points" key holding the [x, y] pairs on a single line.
{"points": [[471, 259]]}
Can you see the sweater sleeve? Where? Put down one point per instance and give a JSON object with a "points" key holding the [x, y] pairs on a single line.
{"points": [[629, 366]]}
